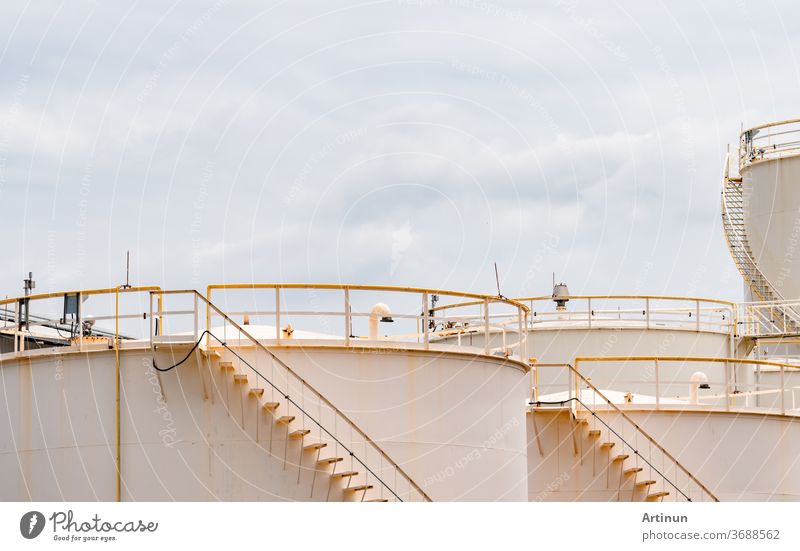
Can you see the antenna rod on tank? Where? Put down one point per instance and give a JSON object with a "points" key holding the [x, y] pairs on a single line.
{"points": [[127, 270], [497, 281]]}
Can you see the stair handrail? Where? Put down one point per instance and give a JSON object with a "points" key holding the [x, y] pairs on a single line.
{"points": [[726, 223], [639, 429], [313, 390]]}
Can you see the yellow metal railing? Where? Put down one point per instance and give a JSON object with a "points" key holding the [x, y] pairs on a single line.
{"points": [[735, 390], [422, 315], [647, 311], [769, 141]]}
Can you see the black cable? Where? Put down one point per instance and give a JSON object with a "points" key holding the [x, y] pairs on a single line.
{"points": [[184, 359]]}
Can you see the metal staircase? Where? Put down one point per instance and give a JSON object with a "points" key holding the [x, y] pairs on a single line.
{"points": [[333, 470], [738, 243], [614, 458], [780, 321], [281, 412]]}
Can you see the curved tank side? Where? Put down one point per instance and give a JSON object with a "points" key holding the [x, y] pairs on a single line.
{"points": [[771, 190]]}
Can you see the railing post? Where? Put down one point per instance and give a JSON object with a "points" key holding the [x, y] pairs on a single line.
{"points": [[486, 326], [658, 386], [150, 314], [196, 314], [80, 320], [570, 377], [783, 392], [727, 386], [346, 316], [647, 312], [697, 314], [520, 349], [160, 324], [425, 322], [16, 326], [277, 313], [589, 311]]}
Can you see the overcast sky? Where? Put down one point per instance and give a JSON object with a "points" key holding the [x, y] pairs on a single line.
{"points": [[392, 142]]}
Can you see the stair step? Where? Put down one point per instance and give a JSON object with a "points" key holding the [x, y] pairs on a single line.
{"points": [[298, 434], [315, 447], [632, 470], [655, 496], [270, 406], [213, 354], [240, 378], [594, 432], [359, 488], [226, 365], [582, 421], [643, 483], [285, 419], [344, 474], [606, 445], [621, 457], [377, 501], [329, 461], [257, 392]]}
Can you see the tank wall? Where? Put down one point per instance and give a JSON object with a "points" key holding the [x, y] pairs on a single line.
{"points": [[563, 346], [186, 434], [455, 423], [772, 219], [740, 457]]}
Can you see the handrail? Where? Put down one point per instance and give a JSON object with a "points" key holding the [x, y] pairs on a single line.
{"points": [[749, 148], [714, 315], [350, 287], [751, 261], [769, 124], [522, 300], [644, 433], [762, 315], [426, 323], [307, 385], [86, 292], [782, 366]]}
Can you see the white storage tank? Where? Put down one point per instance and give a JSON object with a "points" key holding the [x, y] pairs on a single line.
{"points": [[770, 172]]}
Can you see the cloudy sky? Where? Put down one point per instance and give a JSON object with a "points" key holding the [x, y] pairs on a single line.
{"points": [[398, 142]]}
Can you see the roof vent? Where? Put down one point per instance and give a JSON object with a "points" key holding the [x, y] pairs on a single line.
{"points": [[561, 296]]}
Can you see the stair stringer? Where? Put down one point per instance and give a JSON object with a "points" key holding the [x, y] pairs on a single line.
{"points": [[304, 450], [575, 465]]}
